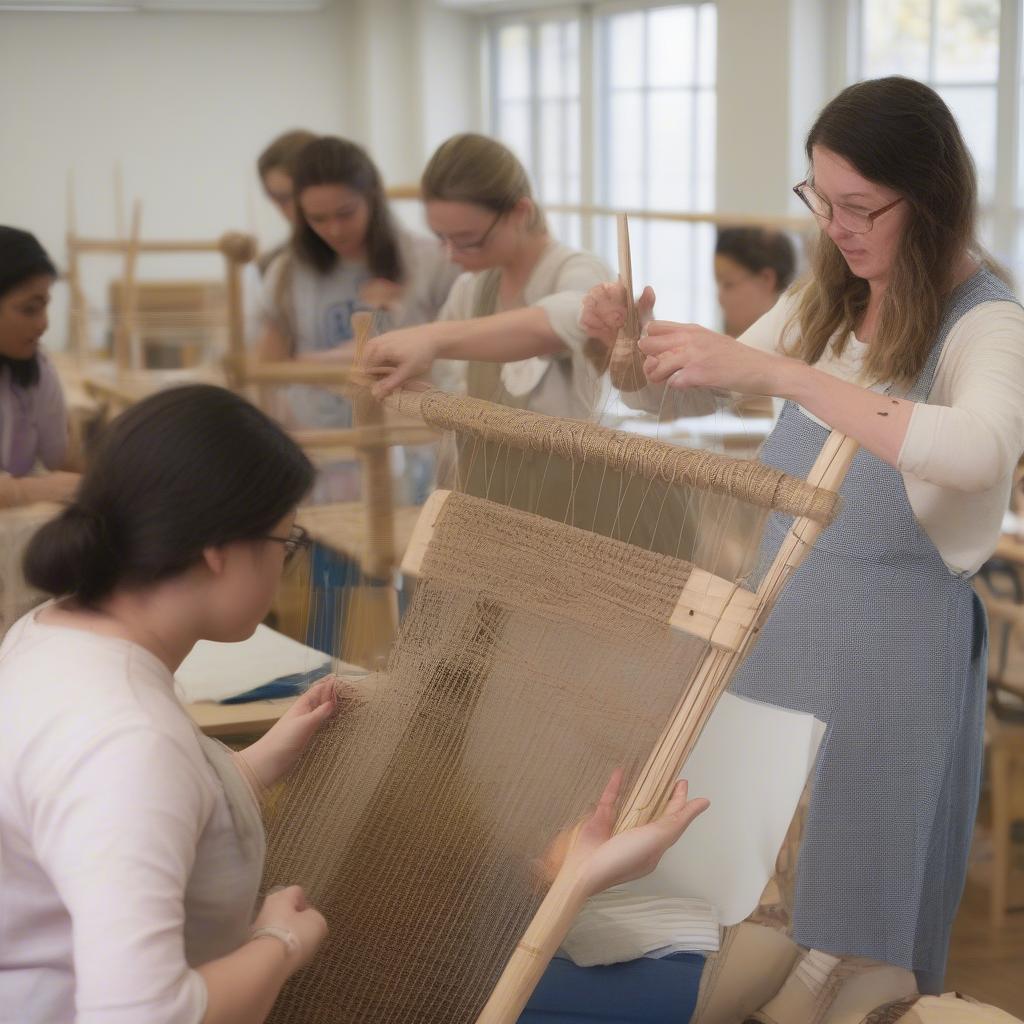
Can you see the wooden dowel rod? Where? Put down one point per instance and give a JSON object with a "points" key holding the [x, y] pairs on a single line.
{"points": [[378, 500], [116, 246], [253, 371], [626, 365], [591, 444], [372, 436], [720, 219]]}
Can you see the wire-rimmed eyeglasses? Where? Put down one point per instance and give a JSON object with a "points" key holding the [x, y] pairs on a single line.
{"points": [[859, 222]]}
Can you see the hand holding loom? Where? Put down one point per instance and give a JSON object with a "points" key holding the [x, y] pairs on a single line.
{"points": [[275, 753], [400, 356], [288, 910], [599, 859], [603, 313]]}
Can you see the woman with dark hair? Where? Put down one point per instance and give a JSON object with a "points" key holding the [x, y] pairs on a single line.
{"points": [[133, 845], [905, 338], [33, 418], [753, 267], [346, 254]]}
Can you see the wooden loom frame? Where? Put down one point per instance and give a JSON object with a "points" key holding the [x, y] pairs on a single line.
{"points": [[717, 610]]}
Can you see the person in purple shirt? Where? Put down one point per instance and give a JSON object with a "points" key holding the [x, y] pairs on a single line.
{"points": [[33, 417]]}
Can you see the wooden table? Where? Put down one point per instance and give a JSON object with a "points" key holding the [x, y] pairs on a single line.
{"points": [[213, 672], [227, 720], [1004, 734], [17, 527]]}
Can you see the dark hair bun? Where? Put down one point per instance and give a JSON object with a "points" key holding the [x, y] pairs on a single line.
{"points": [[182, 470], [71, 555]]}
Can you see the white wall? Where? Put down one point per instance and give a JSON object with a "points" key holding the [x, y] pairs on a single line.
{"points": [[184, 102], [773, 77]]}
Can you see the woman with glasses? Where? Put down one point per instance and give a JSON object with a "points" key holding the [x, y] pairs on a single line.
{"points": [[511, 318], [133, 846], [905, 337], [509, 331]]}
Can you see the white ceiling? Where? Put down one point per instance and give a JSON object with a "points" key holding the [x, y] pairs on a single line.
{"points": [[198, 6]]}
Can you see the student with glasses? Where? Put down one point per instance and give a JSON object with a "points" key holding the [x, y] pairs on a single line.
{"points": [[905, 337], [511, 318], [133, 845]]}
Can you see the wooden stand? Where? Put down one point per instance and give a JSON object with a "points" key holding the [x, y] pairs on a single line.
{"points": [[653, 788]]}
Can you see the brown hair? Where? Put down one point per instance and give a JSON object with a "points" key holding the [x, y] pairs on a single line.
{"points": [[284, 151], [898, 133], [333, 161], [471, 168]]}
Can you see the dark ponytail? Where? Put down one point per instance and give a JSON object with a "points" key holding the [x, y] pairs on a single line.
{"points": [[188, 468]]}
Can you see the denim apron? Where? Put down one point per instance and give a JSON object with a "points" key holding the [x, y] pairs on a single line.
{"points": [[878, 638]]}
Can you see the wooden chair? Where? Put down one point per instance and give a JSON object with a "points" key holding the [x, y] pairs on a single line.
{"points": [[1002, 592]]}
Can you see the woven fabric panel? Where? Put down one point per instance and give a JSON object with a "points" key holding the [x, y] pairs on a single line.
{"points": [[534, 659]]}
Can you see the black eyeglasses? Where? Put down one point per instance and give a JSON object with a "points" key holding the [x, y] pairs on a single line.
{"points": [[297, 540], [859, 222], [471, 246]]}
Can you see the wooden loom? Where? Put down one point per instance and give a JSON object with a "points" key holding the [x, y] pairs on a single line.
{"points": [[717, 610], [726, 615], [718, 617]]}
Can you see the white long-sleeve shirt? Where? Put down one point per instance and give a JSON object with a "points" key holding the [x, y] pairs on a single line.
{"points": [[121, 868], [963, 441]]}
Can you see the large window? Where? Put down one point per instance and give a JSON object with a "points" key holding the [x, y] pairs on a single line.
{"points": [[969, 52], [614, 106], [536, 109]]}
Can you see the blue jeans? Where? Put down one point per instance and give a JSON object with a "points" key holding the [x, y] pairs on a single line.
{"points": [[643, 991]]}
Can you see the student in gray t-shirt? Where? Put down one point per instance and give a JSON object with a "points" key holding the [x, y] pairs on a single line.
{"points": [[346, 254]]}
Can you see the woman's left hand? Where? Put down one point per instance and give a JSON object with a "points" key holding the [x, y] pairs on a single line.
{"points": [[275, 753], [689, 356], [599, 860]]}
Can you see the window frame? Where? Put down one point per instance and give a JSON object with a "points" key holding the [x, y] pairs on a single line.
{"points": [[1004, 213], [593, 134]]}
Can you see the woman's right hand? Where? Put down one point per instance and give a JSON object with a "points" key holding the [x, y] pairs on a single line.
{"points": [[603, 313], [399, 356], [287, 908]]}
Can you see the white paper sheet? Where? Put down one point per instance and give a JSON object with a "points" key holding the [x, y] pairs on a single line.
{"points": [[215, 671], [752, 762]]}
